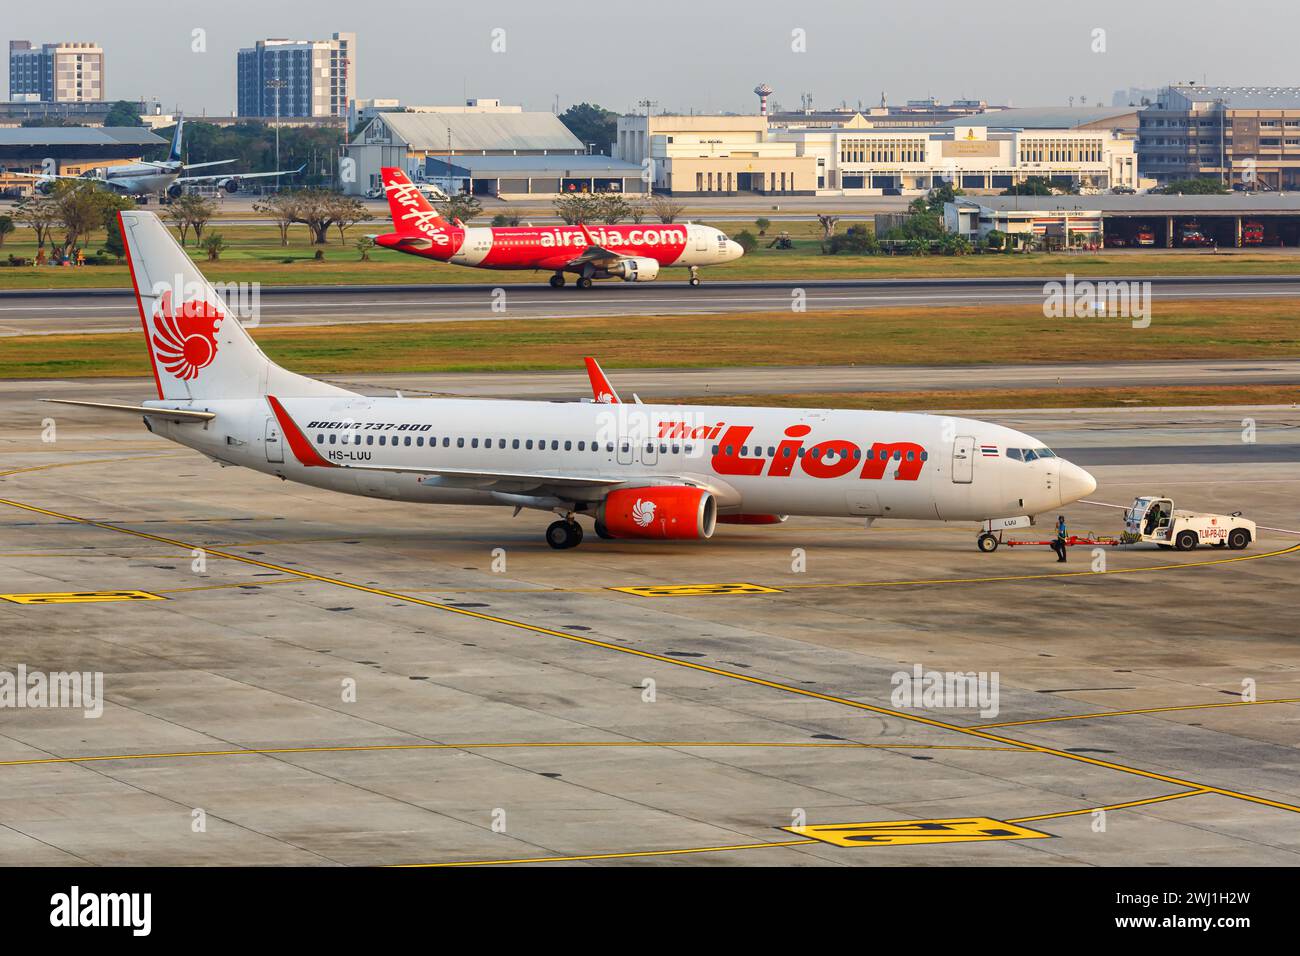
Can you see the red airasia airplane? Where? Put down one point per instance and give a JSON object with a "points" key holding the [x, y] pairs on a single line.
{"points": [[633, 253]]}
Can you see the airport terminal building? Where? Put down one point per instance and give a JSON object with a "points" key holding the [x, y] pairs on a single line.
{"points": [[987, 153]]}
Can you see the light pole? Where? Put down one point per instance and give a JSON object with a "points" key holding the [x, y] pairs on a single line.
{"points": [[277, 84]]}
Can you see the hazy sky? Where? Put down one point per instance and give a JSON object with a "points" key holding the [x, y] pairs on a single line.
{"points": [[690, 54]]}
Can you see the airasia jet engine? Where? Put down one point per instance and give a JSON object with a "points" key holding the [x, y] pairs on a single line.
{"points": [[635, 269]]}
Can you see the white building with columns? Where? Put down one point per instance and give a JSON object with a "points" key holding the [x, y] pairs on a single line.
{"points": [[858, 159]]}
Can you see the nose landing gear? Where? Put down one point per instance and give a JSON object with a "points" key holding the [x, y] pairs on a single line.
{"points": [[987, 542], [695, 275]]}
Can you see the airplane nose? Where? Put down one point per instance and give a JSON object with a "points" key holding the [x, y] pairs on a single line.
{"points": [[734, 250], [1074, 482]]}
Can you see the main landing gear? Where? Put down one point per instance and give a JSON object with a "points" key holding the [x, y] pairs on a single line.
{"points": [[563, 534], [695, 275], [584, 282], [557, 281]]}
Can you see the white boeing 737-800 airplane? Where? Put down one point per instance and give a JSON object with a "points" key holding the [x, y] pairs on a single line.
{"points": [[636, 470]]}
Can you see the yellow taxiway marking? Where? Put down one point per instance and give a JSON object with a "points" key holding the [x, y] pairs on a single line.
{"points": [[1001, 824], [513, 745], [1042, 576], [904, 832], [691, 665], [1114, 806], [1142, 710], [696, 590], [87, 461], [630, 854], [80, 597]]}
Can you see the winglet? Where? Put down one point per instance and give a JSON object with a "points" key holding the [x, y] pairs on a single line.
{"points": [[302, 449], [601, 388]]}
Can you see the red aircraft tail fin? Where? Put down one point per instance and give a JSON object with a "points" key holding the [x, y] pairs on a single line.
{"points": [[412, 213], [601, 389]]}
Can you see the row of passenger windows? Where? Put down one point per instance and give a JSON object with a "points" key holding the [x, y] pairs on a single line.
{"points": [[528, 444], [831, 453]]}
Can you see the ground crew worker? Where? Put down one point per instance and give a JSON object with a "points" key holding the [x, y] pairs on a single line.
{"points": [[1058, 544]]}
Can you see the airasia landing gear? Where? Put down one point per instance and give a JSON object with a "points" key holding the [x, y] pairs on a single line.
{"points": [[695, 275], [584, 282], [557, 281], [563, 534]]}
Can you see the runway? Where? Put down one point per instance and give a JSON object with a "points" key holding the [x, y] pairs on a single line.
{"points": [[667, 383], [344, 681], [39, 312]]}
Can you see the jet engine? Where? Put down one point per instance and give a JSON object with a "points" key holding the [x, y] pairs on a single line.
{"points": [[230, 185], [635, 269], [175, 190], [662, 511]]}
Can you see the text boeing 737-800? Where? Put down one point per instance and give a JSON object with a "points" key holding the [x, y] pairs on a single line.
{"points": [[636, 470], [633, 253]]}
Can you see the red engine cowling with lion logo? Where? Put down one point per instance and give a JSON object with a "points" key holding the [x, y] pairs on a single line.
{"points": [[667, 511]]}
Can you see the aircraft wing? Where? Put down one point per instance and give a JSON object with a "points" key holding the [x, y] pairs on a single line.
{"points": [[594, 251], [83, 179], [218, 162], [475, 478], [221, 176]]}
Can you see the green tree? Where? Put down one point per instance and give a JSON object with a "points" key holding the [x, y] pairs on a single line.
{"points": [[763, 224], [666, 210], [40, 214], [1032, 186], [612, 208], [113, 245], [944, 192], [365, 245], [576, 207], [1200, 186], [746, 240], [462, 206], [80, 210], [6, 227], [856, 239], [593, 125], [122, 113], [214, 245]]}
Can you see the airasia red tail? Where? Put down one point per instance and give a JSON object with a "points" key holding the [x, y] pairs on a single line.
{"points": [[633, 253]]}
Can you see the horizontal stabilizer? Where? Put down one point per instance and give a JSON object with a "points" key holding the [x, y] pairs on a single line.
{"points": [[166, 414]]}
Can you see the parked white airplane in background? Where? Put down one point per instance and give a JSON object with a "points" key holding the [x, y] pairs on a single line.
{"points": [[163, 177], [637, 471]]}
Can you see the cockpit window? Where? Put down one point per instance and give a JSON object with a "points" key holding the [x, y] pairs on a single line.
{"points": [[1014, 453], [1045, 453], [1029, 454]]}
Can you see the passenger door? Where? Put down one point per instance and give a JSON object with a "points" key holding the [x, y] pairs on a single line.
{"points": [[963, 459], [274, 447]]}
